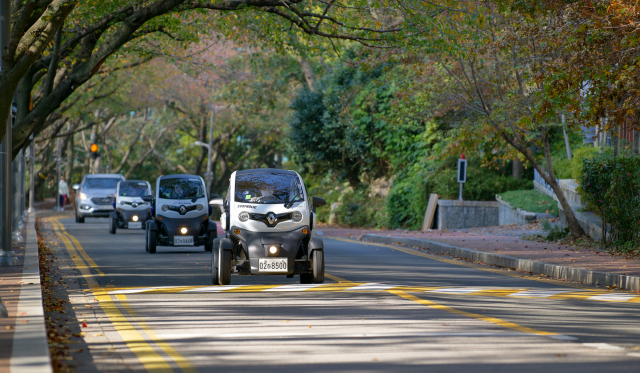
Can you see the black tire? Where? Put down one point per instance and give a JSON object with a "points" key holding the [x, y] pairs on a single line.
{"points": [[146, 240], [151, 241], [306, 278], [224, 267], [214, 262], [113, 225], [209, 245], [318, 266], [79, 219]]}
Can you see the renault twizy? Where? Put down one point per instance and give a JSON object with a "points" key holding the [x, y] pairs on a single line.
{"points": [[130, 211], [268, 218], [180, 214]]}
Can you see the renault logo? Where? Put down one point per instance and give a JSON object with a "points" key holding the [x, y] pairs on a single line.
{"points": [[183, 210], [271, 218], [134, 205]]}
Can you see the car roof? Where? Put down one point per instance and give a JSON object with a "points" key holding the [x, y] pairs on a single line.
{"points": [[102, 176], [266, 171], [179, 176]]}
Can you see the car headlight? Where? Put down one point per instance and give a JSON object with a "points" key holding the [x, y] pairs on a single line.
{"points": [[296, 216], [164, 208], [199, 207], [243, 216], [83, 196]]}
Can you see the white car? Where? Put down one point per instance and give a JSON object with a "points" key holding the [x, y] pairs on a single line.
{"points": [[180, 214], [131, 212], [268, 219]]}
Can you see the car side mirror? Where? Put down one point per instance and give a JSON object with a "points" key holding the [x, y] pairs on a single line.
{"points": [[216, 202], [76, 187], [147, 198], [318, 202]]}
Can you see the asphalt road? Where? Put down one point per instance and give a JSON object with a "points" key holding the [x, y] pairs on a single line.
{"points": [[382, 308]]}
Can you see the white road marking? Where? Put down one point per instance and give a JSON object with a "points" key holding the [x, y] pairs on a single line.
{"points": [[454, 290], [634, 354], [340, 335], [294, 287], [603, 346], [617, 297], [538, 293], [372, 286], [213, 289], [134, 291]]}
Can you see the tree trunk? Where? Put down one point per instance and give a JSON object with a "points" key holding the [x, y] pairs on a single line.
{"points": [[550, 178], [517, 168], [69, 171], [615, 139], [309, 74], [636, 141]]}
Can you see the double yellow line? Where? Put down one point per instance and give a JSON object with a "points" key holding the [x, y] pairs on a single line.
{"points": [[143, 349]]}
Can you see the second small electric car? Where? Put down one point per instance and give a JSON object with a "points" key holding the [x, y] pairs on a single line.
{"points": [[180, 214], [130, 211], [268, 218]]}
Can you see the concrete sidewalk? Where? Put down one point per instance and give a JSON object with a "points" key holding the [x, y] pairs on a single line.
{"points": [[23, 339], [509, 241]]}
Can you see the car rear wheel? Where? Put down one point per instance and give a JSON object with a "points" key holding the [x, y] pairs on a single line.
{"points": [[209, 244], [224, 267], [214, 262], [151, 241], [318, 266], [113, 225]]}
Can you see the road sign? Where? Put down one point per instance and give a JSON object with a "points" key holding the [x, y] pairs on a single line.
{"points": [[462, 173]]}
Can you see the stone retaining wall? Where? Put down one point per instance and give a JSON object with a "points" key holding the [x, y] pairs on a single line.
{"points": [[453, 214], [508, 215]]}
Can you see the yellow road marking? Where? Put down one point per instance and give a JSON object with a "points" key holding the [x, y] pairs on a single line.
{"points": [[492, 320], [149, 358], [465, 264], [335, 278], [86, 256], [182, 362]]}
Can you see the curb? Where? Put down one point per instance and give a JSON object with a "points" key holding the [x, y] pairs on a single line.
{"points": [[524, 265], [30, 352]]}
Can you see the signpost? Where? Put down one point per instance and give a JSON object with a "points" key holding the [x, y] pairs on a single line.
{"points": [[462, 173]]}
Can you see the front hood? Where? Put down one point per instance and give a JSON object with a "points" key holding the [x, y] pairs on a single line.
{"points": [[100, 193], [176, 203]]}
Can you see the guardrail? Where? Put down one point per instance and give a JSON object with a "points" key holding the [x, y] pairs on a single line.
{"points": [[538, 179]]}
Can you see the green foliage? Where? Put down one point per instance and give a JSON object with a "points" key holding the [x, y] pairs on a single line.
{"points": [[609, 187], [553, 232], [531, 201], [359, 209], [408, 200], [482, 184], [579, 156]]}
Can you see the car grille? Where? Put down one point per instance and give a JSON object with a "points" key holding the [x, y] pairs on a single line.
{"points": [[102, 201]]}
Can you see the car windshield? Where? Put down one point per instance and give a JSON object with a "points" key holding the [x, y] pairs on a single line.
{"points": [[268, 188], [133, 189], [181, 188], [100, 183]]}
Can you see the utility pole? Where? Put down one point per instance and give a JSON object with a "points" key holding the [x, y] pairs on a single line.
{"points": [[210, 148], [32, 181], [57, 186], [7, 256]]}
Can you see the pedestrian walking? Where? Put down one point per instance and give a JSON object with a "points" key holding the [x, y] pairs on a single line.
{"points": [[63, 191]]}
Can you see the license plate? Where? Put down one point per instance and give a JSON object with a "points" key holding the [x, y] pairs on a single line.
{"points": [[135, 225], [272, 264], [183, 241]]}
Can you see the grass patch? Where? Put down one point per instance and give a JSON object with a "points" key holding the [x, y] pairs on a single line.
{"points": [[531, 201]]}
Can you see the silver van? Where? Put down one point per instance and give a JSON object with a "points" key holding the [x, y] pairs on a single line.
{"points": [[95, 196]]}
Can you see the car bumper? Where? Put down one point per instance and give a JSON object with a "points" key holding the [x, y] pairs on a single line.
{"points": [[291, 245], [196, 226], [126, 217], [86, 209]]}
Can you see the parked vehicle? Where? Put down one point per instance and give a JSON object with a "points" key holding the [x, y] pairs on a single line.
{"points": [[130, 212], [95, 196], [268, 219], [180, 214]]}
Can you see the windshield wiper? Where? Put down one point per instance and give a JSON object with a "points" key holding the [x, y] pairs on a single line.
{"points": [[288, 204]]}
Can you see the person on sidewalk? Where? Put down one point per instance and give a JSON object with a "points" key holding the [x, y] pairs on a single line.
{"points": [[63, 190]]}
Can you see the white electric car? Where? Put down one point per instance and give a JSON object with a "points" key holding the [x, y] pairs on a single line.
{"points": [[268, 218], [130, 211], [180, 214]]}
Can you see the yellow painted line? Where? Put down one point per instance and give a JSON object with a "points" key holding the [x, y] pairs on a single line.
{"points": [[335, 278], [492, 320], [497, 292], [182, 362], [465, 264], [86, 256], [146, 354]]}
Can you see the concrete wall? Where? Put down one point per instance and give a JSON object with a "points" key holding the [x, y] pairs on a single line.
{"points": [[454, 214], [508, 215]]}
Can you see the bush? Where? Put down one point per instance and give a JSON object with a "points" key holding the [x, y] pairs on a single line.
{"points": [[579, 156], [481, 185], [609, 187], [357, 209], [407, 201]]}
